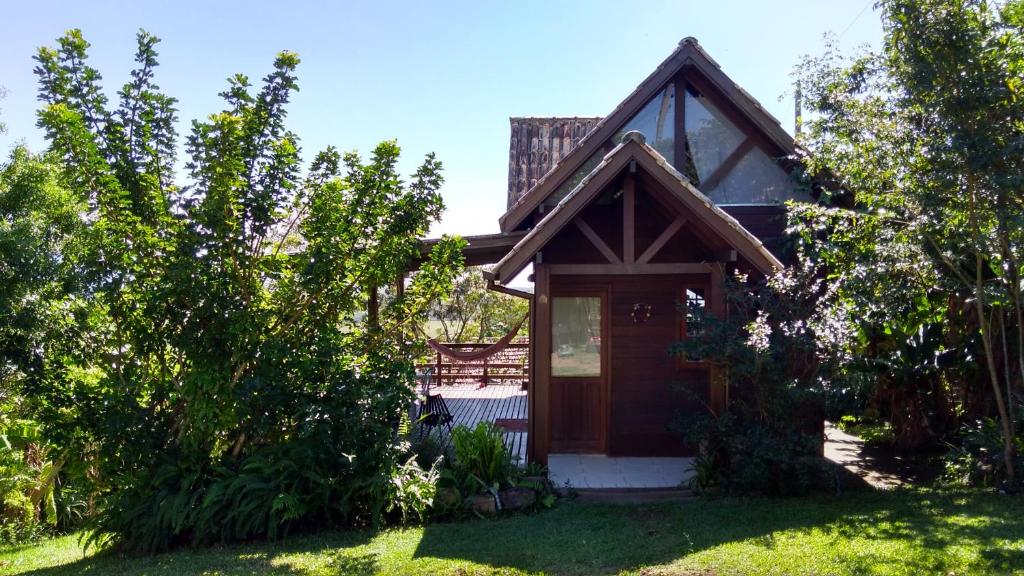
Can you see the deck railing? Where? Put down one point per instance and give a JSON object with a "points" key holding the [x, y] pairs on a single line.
{"points": [[511, 365]]}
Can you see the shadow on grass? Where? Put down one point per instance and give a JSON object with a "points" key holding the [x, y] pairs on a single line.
{"points": [[333, 554], [858, 533], [927, 532]]}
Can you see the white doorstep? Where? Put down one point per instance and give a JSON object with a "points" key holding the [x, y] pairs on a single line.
{"points": [[600, 471]]}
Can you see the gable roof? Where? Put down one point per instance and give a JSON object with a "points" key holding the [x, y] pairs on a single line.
{"points": [[688, 53], [646, 157]]}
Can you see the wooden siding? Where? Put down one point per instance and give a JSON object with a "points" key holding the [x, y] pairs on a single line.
{"points": [[642, 401]]}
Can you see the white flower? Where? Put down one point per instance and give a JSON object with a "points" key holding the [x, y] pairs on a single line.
{"points": [[760, 333]]}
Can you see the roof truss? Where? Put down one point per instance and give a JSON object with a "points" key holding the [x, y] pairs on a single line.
{"points": [[690, 203]]}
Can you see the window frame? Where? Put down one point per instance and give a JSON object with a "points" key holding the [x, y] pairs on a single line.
{"points": [[684, 332]]}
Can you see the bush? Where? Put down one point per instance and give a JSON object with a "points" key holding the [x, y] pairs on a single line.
{"points": [[480, 455], [28, 503], [411, 491], [227, 353], [978, 458], [479, 464], [874, 431], [768, 439], [746, 457], [430, 448]]}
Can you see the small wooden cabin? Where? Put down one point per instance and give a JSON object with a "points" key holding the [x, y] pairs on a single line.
{"points": [[631, 222]]}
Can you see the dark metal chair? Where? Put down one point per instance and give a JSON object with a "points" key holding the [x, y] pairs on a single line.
{"points": [[432, 411]]}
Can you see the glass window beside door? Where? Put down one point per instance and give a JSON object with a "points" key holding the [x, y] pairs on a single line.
{"points": [[575, 336]]}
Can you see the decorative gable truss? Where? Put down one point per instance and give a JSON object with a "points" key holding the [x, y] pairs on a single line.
{"points": [[715, 235]]}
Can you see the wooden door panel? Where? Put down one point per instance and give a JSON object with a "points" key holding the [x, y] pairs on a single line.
{"points": [[579, 424], [579, 404], [643, 403]]}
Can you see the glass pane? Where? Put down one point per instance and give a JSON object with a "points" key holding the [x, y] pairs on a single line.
{"points": [[575, 336], [695, 306], [711, 137], [694, 311], [574, 180], [756, 179], [656, 121]]}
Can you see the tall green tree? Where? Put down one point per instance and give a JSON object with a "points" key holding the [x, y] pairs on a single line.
{"points": [[473, 313], [929, 136], [229, 386]]}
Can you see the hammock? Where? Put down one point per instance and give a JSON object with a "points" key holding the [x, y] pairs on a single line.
{"points": [[469, 356]]}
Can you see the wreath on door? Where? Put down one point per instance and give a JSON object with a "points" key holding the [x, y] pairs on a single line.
{"points": [[641, 313]]}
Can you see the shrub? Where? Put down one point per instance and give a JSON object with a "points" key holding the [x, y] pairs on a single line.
{"points": [[480, 455], [231, 358], [430, 448], [478, 463], [874, 431], [978, 458], [768, 439], [28, 504], [411, 491], [746, 457]]}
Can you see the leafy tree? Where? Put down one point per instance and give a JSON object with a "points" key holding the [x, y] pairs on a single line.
{"points": [[473, 313], [38, 221], [3, 94], [226, 385], [929, 135]]}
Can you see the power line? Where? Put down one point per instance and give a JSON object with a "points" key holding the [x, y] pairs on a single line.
{"points": [[855, 18]]}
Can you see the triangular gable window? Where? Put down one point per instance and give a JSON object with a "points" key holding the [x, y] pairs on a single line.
{"points": [[710, 135], [756, 179], [656, 121], [712, 139]]}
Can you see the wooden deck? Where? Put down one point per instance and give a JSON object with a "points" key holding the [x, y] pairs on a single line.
{"points": [[470, 404]]}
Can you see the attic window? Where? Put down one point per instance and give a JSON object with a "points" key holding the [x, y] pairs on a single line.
{"points": [[756, 179], [752, 178], [656, 121], [711, 136]]}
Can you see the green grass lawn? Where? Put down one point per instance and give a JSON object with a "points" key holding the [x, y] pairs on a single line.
{"points": [[856, 534]]}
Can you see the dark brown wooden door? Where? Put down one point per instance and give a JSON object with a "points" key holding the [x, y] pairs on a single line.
{"points": [[645, 321], [579, 370]]}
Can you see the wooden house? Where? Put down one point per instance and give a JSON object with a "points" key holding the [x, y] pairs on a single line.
{"points": [[631, 222]]}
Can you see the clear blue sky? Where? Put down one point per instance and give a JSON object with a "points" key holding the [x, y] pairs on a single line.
{"points": [[442, 77]]}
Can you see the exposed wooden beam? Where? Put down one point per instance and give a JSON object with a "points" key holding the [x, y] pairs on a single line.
{"points": [[630, 269], [492, 285], [629, 220], [521, 254], [597, 241], [538, 404], [730, 162], [718, 397], [661, 240]]}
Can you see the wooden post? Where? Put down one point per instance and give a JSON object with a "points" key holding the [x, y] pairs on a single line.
{"points": [[437, 370], [628, 220], [719, 376], [485, 370], [540, 429]]}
